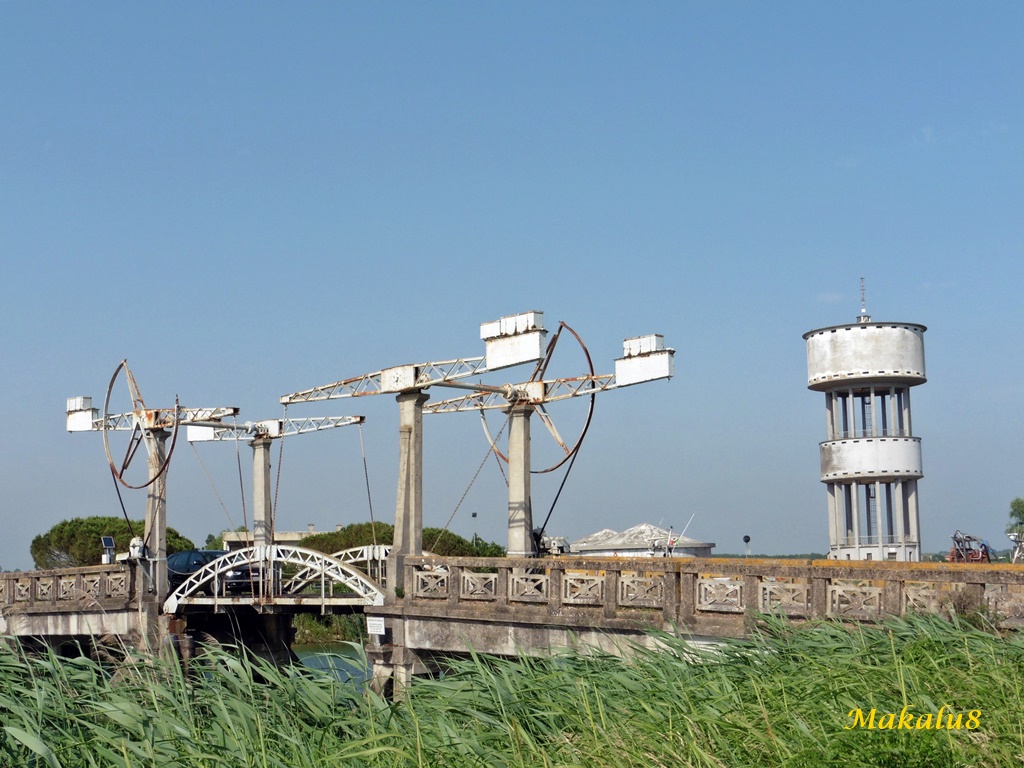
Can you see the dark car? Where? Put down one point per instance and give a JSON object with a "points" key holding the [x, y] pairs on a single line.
{"points": [[183, 564]]}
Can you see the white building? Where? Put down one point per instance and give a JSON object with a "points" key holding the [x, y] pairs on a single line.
{"points": [[642, 540], [240, 539]]}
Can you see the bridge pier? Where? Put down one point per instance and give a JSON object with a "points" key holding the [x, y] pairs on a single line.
{"points": [[394, 664]]}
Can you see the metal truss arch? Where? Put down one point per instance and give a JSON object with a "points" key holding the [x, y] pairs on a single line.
{"points": [[370, 561], [274, 569]]}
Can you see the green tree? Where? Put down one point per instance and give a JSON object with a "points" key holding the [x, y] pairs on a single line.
{"points": [[446, 544], [76, 542], [435, 540], [486, 548], [349, 537], [1016, 516]]}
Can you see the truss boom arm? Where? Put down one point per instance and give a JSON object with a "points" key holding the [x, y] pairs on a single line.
{"points": [[162, 418], [269, 429], [393, 380], [536, 392]]}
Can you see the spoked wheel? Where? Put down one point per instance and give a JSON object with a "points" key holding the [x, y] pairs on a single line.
{"points": [[141, 422], [564, 449]]}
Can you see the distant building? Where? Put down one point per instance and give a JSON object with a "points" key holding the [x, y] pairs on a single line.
{"points": [[642, 540], [241, 539]]}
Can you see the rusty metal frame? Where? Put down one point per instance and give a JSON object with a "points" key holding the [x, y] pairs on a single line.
{"points": [[142, 421]]}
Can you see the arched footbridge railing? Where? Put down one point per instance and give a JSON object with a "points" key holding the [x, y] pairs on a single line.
{"points": [[278, 575], [370, 560]]}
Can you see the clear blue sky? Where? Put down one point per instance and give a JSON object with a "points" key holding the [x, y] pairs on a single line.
{"points": [[246, 199]]}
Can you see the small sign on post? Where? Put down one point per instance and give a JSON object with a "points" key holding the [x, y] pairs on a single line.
{"points": [[375, 625]]}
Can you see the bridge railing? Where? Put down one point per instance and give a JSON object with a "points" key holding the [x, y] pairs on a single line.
{"points": [[712, 595], [67, 589]]}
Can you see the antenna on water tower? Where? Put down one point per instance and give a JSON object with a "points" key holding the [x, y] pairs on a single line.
{"points": [[863, 317]]}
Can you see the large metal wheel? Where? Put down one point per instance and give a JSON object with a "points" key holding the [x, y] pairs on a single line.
{"points": [[565, 450], [141, 422]]}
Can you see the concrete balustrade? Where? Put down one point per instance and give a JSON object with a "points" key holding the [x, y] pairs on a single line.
{"points": [[509, 606], [103, 586], [94, 600], [712, 597]]}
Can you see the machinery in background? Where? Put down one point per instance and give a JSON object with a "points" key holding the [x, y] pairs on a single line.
{"points": [[969, 549]]}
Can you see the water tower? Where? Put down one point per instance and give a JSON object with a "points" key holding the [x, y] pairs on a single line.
{"points": [[871, 461]]}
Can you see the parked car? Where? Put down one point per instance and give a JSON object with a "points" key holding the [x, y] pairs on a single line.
{"points": [[182, 565]]}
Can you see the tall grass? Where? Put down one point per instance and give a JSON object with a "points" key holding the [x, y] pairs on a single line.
{"points": [[780, 699]]}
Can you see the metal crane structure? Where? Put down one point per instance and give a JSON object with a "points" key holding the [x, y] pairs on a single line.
{"points": [[150, 429], [260, 434], [510, 341], [645, 358]]}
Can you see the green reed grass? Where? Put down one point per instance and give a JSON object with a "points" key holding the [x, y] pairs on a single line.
{"points": [[778, 699]]}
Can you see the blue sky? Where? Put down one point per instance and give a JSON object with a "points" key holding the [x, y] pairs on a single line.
{"points": [[247, 199]]}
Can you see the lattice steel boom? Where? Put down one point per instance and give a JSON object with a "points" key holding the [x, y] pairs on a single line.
{"points": [[270, 428]]}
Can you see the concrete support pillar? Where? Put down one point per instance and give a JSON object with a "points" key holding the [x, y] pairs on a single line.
{"points": [[751, 601], [409, 500], [874, 522], [849, 512], [156, 518], [898, 512], [913, 518], [688, 598], [873, 410], [262, 526], [152, 586], [520, 512], [892, 597], [835, 524], [819, 598], [855, 500]]}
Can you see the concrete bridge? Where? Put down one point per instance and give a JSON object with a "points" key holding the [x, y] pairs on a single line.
{"points": [[503, 606], [519, 607]]}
